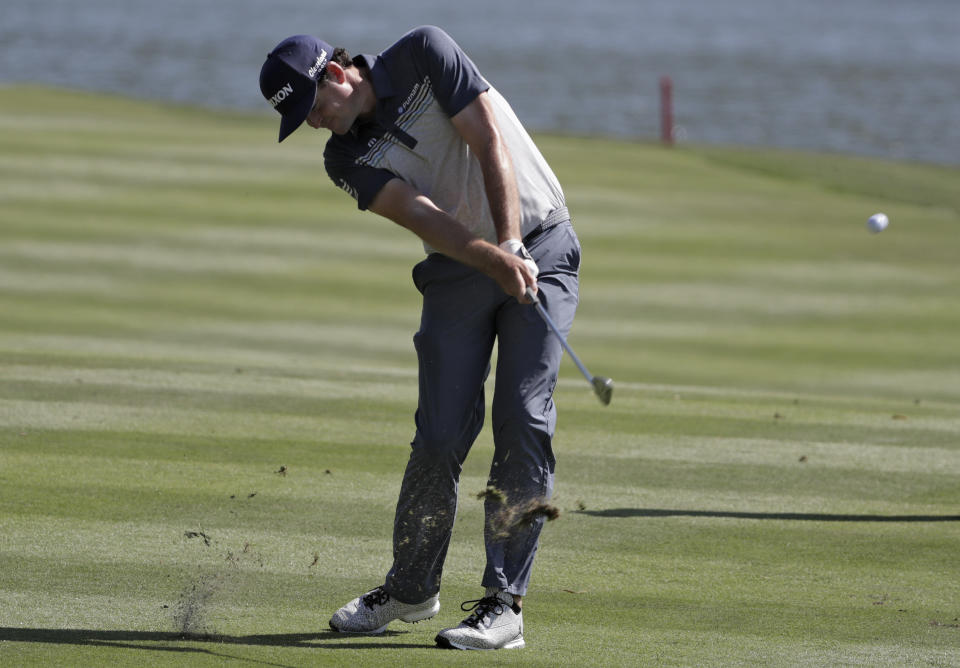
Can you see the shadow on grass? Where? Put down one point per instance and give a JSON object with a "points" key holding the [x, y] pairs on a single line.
{"points": [[178, 642], [812, 517]]}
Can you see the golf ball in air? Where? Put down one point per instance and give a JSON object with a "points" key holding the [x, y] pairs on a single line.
{"points": [[877, 222]]}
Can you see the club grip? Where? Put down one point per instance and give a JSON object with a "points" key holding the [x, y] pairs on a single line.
{"points": [[532, 296]]}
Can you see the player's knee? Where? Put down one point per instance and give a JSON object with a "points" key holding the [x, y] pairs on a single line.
{"points": [[521, 417], [439, 448]]}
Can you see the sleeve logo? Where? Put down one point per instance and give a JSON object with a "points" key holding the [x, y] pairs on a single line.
{"points": [[350, 190]]}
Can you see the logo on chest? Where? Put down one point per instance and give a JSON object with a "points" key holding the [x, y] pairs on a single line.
{"points": [[413, 94]]}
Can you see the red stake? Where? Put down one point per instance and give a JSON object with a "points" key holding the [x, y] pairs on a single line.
{"points": [[666, 110]]}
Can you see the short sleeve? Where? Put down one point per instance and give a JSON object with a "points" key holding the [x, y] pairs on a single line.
{"points": [[359, 181], [455, 79]]}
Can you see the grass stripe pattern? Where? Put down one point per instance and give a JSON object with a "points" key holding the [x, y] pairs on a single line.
{"points": [[207, 388]]}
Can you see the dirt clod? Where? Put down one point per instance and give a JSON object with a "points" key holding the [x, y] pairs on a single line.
{"points": [[511, 517], [198, 534], [492, 494]]}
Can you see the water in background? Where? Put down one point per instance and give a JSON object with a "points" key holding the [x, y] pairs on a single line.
{"points": [[871, 77]]}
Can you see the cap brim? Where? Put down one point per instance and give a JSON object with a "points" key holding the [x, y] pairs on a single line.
{"points": [[295, 117]]}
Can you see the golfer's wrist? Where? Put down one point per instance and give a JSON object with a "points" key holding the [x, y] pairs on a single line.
{"points": [[512, 246], [516, 247]]}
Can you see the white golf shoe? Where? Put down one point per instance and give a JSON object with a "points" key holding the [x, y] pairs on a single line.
{"points": [[495, 622], [372, 612]]}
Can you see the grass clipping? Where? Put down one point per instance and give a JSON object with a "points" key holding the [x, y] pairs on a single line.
{"points": [[508, 518]]}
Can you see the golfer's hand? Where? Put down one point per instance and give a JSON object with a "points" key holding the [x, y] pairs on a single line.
{"points": [[516, 247], [518, 272]]}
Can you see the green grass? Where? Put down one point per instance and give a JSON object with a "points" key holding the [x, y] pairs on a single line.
{"points": [[186, 307]]}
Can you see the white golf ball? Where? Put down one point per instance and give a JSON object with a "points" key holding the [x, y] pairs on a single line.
{"points": [[877, 222]]}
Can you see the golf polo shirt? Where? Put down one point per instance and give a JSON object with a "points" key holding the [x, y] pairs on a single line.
{"points": [[420, 83]]}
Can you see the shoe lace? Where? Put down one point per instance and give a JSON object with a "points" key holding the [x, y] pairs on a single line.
{"points": [[480, 608], [376, 597]]}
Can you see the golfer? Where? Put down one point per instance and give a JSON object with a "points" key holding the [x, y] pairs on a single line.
{"points": [[420, 137]]}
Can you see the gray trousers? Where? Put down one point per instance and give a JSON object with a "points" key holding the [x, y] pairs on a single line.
{"points": [[464, 312]]}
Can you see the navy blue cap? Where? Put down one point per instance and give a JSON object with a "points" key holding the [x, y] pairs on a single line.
{"points": [[289, 76]]}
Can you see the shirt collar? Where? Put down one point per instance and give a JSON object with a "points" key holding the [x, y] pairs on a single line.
{"points": [[379, 76]]}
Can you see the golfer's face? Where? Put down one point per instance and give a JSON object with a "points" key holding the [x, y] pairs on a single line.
{"points": [[330, 109]]}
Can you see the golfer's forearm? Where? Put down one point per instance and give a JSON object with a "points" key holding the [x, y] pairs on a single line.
{"points": [[500, 183], [402, 204], [445, 234]]}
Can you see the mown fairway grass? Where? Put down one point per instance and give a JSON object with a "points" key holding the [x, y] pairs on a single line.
{"points": [[202, 341]]}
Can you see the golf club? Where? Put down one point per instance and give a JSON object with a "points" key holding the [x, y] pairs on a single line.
{"points": [[602, 387]]}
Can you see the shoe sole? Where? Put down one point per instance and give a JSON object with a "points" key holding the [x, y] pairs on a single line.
{"points": [[446, 643], [361, 633], [422, 615], [409, 619]]}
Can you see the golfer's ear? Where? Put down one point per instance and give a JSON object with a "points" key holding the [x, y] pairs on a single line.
{"points": [[335, 72]]}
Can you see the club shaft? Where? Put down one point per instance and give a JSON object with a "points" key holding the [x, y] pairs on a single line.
{"points": [[556, 330]]}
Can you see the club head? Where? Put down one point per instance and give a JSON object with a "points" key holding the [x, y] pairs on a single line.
{"points": [[603, 388]]}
